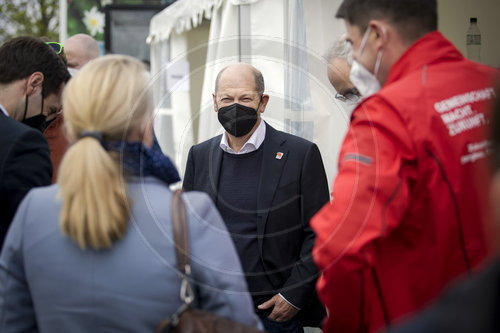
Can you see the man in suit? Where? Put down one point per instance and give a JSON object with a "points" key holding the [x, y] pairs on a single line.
{"points": [[32, 78], [267, 185]]}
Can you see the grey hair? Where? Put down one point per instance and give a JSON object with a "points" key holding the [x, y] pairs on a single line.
{"points": [[259, 80], [341, 49]]}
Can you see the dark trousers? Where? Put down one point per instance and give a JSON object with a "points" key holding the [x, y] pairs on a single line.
{"points": [[289, 326]]}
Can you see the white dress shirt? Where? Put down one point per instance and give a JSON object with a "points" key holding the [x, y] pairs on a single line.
{"points": [[3, 110], [252, 144]]}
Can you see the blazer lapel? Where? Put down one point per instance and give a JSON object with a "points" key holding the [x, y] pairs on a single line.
{"points": [[273, 161], [214, 164]]}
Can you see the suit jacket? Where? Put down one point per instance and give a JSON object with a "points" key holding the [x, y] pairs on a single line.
{"points": [[291, 190], [49, 284], [24, 164]]}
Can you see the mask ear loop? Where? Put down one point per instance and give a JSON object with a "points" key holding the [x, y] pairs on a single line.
{"points": [[25, 108], [377, 63], [260, 101], [41, 112], [379, 55], [363, 42]]}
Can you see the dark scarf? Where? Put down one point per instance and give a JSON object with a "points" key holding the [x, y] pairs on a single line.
{"points": [[139, 160]]}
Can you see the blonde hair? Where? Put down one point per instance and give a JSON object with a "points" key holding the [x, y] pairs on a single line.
{"points": [[110, 95]]}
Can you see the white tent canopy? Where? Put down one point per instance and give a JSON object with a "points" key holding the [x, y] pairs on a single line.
{"points": [[192, 40]]}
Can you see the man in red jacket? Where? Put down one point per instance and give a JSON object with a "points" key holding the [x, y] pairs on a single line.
{"points": [[409, 198]]}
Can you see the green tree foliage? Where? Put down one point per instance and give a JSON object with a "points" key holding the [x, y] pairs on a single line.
{"points": [[29, 17]]}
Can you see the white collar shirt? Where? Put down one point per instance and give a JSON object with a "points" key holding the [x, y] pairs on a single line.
{"points": [[3, 110], [252, 144]]}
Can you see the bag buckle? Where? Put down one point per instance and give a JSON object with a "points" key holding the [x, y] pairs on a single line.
{"points": [[187, 294]]}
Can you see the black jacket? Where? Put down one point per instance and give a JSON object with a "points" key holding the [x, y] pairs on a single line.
{"points": [[291, 190], [24, 164]]}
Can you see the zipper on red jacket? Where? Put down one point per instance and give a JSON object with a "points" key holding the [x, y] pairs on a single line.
{"points": [[381, 299], [362, 326], [374, 272], [383, 306], [457, 212]]}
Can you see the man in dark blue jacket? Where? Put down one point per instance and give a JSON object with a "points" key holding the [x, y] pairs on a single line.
{"points": [[266, 184], [32, 78]]}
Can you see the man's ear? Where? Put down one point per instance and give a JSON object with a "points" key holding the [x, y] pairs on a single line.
{"points": [[34, 82], [380, 29], [215, 102], [263, 103]]}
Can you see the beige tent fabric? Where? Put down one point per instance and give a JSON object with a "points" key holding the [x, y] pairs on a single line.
{"points": [[182, 15]]}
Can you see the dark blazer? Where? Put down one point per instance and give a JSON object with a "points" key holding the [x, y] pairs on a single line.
{"points": [[24, 164], [291, 190]]}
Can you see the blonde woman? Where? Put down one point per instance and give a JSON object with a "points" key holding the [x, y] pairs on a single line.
{"points": [[94, 253]]}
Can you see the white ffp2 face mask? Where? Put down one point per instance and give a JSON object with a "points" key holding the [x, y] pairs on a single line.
{"points": [[365, 81]]}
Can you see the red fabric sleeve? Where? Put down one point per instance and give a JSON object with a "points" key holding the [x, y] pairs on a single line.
{"points": [[370, 197]]}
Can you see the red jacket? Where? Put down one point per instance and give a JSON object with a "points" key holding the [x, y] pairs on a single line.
{"points": [[55, 134], [411, 190]]}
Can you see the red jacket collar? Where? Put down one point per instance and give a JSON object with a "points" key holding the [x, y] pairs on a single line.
{"points": [[429, 49]]}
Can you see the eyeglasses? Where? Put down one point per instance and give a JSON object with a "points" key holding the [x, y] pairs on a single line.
{"points": [[352, 95], [57, 47]]}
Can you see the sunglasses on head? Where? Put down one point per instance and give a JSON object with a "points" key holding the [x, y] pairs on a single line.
{"points": [[57, 47]]}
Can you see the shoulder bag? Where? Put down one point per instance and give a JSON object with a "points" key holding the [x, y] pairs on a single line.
{"points": [[187, 319]]}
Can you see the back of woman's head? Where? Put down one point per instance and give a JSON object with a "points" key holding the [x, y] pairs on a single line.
{"points": [[107, 100]]}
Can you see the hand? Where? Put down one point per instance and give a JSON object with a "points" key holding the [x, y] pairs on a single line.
{"points": [[282, 311]]}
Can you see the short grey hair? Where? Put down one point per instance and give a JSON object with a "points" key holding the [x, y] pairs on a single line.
{"points": [[259, 80], [341, 49]]}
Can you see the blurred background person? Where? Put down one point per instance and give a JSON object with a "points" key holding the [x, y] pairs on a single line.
{"points": [[409, 197], [80, 49], [339, 59], [32, 78], [101, 256]]}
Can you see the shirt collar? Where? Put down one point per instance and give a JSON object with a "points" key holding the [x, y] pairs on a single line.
{"points": [[252, 144], [3, 110]]}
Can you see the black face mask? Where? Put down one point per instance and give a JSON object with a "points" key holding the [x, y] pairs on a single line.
{"points": [[36, 122], [238, 120]]}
